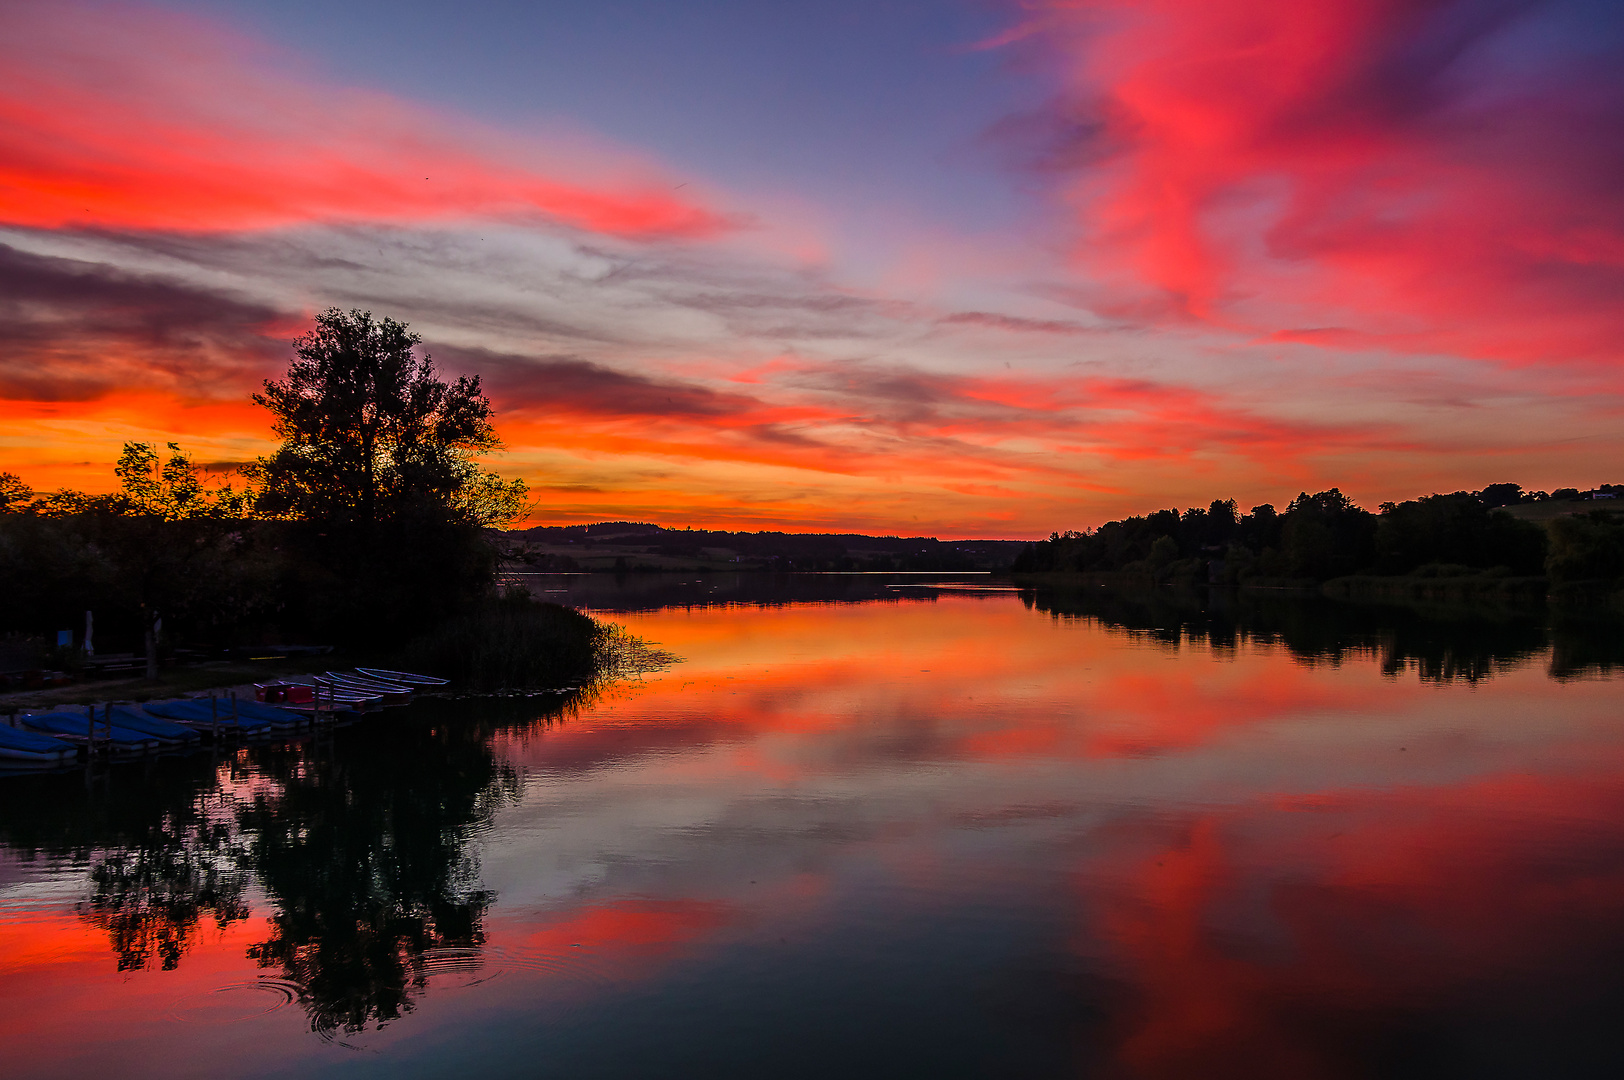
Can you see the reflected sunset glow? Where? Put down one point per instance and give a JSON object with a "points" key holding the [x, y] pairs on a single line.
{"points": [[1249, 851]]}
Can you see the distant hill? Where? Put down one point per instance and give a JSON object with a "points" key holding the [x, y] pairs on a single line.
{"points": [[634, 546]]}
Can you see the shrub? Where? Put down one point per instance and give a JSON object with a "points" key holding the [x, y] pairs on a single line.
{"points": [[1585, 547], [510, 643]]}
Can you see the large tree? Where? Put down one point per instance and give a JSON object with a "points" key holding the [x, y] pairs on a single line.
{"points": [[370, 433], [379, 479]]}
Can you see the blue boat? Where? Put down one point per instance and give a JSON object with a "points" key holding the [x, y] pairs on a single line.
{"points": [[19, 747], [197, 714], [165, 731], [75, 724], [278, 717]]}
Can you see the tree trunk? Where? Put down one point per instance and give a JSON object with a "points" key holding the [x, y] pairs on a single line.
{"points": [[369, 493], [152, 624]]}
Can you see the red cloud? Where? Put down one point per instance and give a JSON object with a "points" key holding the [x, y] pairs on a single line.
{"points": [[1418, 176], [145, 120]]}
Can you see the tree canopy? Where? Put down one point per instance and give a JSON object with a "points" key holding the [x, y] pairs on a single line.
{"points": [[1317, 537], [366, 525], [371, 433]]}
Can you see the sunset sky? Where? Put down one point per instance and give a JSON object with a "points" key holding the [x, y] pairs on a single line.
{"points": [[947, 267]]}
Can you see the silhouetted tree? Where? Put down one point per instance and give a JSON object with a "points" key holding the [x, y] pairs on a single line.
{"points": [[1501, 495], [1457, 529], [379, 469], [14, 494], [1586, 547], [1325, 535], [369, 432], [163, 546]]}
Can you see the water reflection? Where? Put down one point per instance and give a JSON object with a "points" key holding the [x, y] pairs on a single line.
{"points": [[955, 833], [152, 896], [1441, 643], [366, 860], [655, 592], [164, 855], [359, 841]]}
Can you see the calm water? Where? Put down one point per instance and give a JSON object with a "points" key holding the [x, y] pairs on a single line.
{"points": [[874, 830]]}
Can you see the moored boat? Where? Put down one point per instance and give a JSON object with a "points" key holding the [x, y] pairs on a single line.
{"points": [[197, 715], [165, 731], [404, 678], [77, 726], [308, 694], [254, 710], [391, 693], [20, 747]]}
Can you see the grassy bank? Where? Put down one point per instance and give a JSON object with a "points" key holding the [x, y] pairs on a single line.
{"points": [[1464, 587], [515, 642], [511, 643]]}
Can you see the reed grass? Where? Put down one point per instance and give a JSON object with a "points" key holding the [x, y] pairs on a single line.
{"points": [[515, 642]]}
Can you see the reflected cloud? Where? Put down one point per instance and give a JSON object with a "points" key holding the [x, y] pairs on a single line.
{"points": [[1122, 831], [1328, 940]]}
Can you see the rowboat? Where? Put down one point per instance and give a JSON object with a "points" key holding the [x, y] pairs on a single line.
{"points": [[281, 718], [77, 726], [301, 693], [197, 715], [391, 693], [18, 747], [165, 731], [404, 678]]}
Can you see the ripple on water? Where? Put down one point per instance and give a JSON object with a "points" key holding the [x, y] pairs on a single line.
{"points": [[238, 1001], [571, 976], [455, 967]]}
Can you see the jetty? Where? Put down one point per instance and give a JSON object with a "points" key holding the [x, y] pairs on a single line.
{"points": [[68, 735]]}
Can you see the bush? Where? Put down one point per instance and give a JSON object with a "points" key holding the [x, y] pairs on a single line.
{"points": [[510, 643], [1585, 547]]}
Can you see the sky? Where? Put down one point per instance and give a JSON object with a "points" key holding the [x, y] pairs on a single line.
{"points": [[965, 268]]}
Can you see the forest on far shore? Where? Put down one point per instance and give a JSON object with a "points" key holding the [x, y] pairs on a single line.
{"points": [[1578, 549]]}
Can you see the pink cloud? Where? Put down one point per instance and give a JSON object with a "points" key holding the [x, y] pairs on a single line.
{"points": [[131, 118], [1351, 173]]}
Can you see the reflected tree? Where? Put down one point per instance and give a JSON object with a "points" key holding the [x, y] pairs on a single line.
{"points": [[362, 842], [152, 896], [365, 853], [1440, 642], [165, 857]]}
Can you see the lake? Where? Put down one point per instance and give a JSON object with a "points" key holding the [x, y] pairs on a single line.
{"points": [[874, 825]]}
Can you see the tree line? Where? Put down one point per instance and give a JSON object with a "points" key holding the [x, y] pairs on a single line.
{"points": [[366, 525], [1326, 535]]}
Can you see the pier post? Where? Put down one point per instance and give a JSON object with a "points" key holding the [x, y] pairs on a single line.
{"points": [[90, 730]]}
